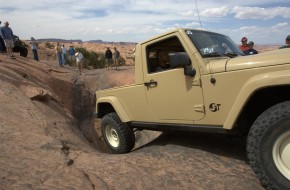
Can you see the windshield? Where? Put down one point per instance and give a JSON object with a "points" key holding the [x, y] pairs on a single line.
{"points": [[211, 44]]}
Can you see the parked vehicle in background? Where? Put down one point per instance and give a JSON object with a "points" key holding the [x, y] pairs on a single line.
{"points": [[19, 46]]}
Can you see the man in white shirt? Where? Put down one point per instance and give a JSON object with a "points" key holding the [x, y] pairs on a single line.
{"points": [[80, 61], [63, 50]]}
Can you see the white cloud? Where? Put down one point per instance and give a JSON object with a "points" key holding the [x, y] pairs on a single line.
{"points": [[282, 25], [274, 34], [136, 20], [192, 25], [261, 13], [215, 12], [187, 13]]}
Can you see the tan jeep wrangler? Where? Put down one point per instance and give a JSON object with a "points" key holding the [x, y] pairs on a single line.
{"points": [[194, 80]]}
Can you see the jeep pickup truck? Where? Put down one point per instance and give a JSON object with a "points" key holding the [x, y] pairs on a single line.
{"points": [[206, 85]]}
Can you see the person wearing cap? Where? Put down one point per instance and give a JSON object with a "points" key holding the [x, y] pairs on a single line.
{"points": [[244, 45], [251, 50], [7, 35], [287, 43], [34, 45]]}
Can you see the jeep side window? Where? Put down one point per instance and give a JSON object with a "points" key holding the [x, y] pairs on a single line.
{"points": [[158, 54]]}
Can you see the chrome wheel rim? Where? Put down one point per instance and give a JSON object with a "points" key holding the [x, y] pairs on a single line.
{"points": [[281, 154], [112, 136]]}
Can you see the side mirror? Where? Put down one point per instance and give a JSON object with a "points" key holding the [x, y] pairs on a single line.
{"points": [[181, 59], [178, 59]]}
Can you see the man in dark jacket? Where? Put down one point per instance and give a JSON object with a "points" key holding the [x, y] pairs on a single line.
{"points": [[287, 43], [251, 50], [108, 55], [2, 45]]}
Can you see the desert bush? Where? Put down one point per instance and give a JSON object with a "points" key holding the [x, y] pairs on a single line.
{"points": [[122, 61], [91, 58], [95, 60]]}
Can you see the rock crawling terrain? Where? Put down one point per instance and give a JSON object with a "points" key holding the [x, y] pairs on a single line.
{"points": [[50, 140]]}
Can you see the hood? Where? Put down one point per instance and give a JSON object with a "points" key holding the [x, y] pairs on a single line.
{"points": [[275, 57]]}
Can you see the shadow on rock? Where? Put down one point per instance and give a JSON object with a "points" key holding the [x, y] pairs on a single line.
{"points": [[218, 144]]}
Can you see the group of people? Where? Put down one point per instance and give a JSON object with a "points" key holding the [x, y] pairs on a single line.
{"points": [[6, 34], [6, 41], [248, 48], [61, 54], [73, 55], [109, 58], [60, 51]]}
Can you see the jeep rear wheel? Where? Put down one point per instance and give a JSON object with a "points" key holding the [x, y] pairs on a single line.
{"points": [[268, 147], [118, 136]]}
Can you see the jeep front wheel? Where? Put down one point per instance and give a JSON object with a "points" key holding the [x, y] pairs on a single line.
{"points": [[268, 147], [118, 136]]}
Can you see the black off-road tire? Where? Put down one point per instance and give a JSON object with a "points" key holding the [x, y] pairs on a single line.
{"points": [[24, 52], [268, 147], [118, 136]]}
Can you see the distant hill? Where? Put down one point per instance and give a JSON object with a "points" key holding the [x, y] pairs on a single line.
{"points": [[80, 41], [106, 42], [58, 40]]}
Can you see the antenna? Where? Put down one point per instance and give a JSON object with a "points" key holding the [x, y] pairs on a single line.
{"points": [[198, 15]]}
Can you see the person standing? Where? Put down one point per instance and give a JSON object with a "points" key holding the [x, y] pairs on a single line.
{"points": [[251, 50], [2, 45], [108, 55], [80, 61], [244, 45], [116, 58], [34, 45], [287, 43], [7, 35], [71, 54], [58, 54], [63, 54]]}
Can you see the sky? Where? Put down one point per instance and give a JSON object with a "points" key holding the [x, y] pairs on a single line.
{"points": [[261, 21]]}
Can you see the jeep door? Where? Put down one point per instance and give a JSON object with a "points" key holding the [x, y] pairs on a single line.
{"points": [[170, 93]]}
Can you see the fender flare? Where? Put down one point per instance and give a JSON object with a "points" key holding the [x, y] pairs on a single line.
{"points": [[116, 104], [255, 83]]}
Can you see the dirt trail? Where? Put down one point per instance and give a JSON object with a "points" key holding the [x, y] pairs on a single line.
{"points": [[50, 140]]}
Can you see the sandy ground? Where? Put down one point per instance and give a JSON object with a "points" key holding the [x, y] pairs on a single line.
{"points": [[50, 140]]}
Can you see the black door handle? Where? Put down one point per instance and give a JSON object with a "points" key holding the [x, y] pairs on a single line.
{"points": [[151, 83]]}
